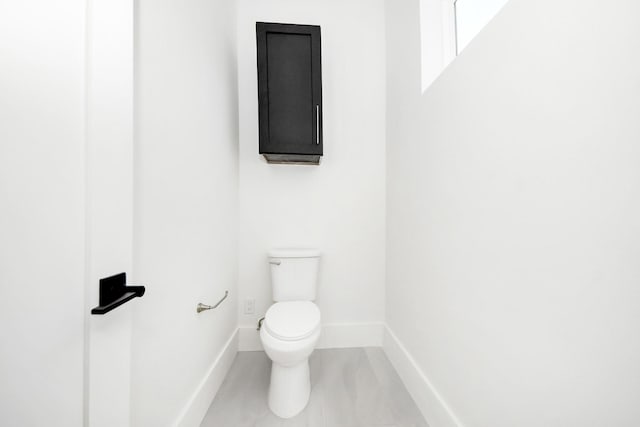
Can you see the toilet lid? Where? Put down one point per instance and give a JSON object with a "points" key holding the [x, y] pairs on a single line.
{"points": [[292, 320]]}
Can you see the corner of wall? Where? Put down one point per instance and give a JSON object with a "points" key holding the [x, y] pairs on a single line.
{"points": [[433, 407], [197, 406]]}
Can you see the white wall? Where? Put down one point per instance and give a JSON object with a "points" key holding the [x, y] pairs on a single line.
{"points": [[109, 202], [186, 193], [339, 205], [513, 208], [42, 212]]}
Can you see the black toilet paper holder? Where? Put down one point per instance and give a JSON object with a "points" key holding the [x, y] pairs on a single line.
{"points": [[114, 292]]}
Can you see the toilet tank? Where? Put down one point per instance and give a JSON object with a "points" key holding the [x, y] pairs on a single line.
{"points": [[294, 274]]}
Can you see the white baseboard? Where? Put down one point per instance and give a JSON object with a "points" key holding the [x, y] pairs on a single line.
{"points": [[434, 409], [196, 408], [346, 335], [334, 335]]}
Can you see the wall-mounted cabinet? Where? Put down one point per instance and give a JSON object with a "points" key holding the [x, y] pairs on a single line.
{"points": [[289, 92]]}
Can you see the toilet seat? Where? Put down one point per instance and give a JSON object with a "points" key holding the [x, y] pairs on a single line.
{"points": [[292, 320]]}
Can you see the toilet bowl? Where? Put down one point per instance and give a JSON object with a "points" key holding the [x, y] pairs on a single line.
{"points": [[291, 328], [289, 334]]}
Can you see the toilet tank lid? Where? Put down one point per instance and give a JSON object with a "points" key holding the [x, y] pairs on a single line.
{"points": [[294, 253]]}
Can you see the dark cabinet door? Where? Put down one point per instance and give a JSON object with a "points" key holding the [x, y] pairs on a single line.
{"points": [[289, 92]]}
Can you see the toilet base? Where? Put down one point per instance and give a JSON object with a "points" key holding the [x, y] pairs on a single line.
{"points": [[289, 389]]}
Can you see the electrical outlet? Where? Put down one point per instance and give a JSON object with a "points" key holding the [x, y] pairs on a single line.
{"points": [[249, 306]]}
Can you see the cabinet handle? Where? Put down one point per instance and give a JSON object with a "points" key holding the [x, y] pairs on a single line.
{"points": [[317, 124]]}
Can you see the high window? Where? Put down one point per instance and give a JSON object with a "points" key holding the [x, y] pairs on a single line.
{"points": [[447, 27], [471, 16]]}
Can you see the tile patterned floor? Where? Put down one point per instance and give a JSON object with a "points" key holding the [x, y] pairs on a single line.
{"points": [[354, 387]]}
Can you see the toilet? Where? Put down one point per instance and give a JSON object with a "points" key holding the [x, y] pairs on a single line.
{"points": [[291, 328]]}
